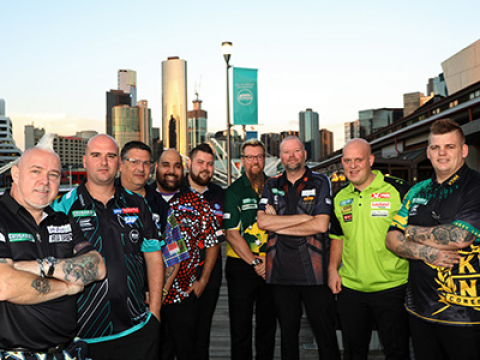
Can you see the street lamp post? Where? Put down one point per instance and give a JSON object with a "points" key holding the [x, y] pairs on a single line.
{"points": [[227, 52]]}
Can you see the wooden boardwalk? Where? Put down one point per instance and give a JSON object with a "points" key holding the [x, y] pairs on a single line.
{"points": [[220, 335]]}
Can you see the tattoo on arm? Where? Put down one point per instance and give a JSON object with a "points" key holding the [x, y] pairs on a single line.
{"points": [[41, 285], [168, 273], [411, 250], [83, 268], [442, 235]]}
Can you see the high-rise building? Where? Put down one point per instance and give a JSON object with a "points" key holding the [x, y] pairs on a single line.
{"points": [[309, 133], [196, 125], [437, 86], [326, 137], [8, 149], [272, 143], [145, 122], [412, 101], [352, 130], [71, 149], [174, 104], [372, 120], [126, 126], [127, 82], [32, 136], [115, 98]]}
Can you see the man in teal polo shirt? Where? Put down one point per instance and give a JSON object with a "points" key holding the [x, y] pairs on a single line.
{"points": [[245, 269], [369, 279]]}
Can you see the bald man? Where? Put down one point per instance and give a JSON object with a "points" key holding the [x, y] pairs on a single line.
{"points": [[113, 317], [370, 283], [44, 263]]}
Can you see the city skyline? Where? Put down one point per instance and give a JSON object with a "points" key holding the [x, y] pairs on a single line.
{"points": [[337, 59]]}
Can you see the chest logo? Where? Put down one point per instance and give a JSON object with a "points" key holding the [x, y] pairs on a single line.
{"points": [[346, 202], [347, 218], [379, 213], [380, 205], [347, 208], [310, 192], [83, 213], [380, 195], [278, 192], [18, 237]]}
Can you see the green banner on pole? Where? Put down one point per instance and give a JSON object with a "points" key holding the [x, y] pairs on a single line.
{"points": [[245, 96]]}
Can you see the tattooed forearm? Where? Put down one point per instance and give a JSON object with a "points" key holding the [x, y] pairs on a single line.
{"points": [[83, 268], [168, 273], [41, 285], [445, 236]]}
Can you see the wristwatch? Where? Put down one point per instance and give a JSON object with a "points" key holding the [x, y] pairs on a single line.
{"points": [[51, 262], [255, 262]]}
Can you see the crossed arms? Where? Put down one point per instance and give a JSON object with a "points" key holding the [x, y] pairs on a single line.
{"points": [[293, 225], [21, 282], [436, 245]]}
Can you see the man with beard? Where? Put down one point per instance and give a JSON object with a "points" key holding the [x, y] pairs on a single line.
{"points": [[112, 315], [295, 209], [183, 311], [136, 161], [245, 269], [44, 263]]}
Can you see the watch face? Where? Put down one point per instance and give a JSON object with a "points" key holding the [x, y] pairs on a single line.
{"points": [[255, 262]]}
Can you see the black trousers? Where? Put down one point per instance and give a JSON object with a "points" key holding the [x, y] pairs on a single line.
{"points": [[358, 311], [320, 307], [180, 322], [140, 345], [432, 341], [207, 305], [246, 291]]}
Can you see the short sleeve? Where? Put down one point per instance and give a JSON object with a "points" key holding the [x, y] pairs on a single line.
{"points": [[231, 210]]}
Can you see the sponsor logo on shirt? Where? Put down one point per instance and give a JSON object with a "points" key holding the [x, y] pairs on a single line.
{"points": [[186, 208], [83, 213], [263, 201], [379, 213], [85, 224], [59, 238], [308, 199], [133, 210], [2, 238], [249, 201], [420, 201], [380, 195], [279, 192], [134, 236], [346, 202], [347, 218], [381, 205], [62, 229], [249, 207], [310, 192], [347, 208], [129, 220], [226, 216], [18, 237]]}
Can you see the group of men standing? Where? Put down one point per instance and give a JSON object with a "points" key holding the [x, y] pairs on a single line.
{"points": [[134, 270]]}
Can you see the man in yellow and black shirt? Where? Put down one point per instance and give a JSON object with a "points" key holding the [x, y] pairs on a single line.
{"points": [[245, 269], [437, 229]]}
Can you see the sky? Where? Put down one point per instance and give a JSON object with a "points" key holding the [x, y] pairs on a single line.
{"points": [[58, 58]]}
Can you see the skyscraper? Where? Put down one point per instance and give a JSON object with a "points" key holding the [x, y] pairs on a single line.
{"points": [[127, 82], [196, 125], [309, 133], [326, 148], [126, 126], [8, 149], [145, 122], [174, 104], [114, 98]]}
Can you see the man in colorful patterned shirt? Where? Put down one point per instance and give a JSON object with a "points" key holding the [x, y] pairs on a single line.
{"points": [[437, 229], [196, 219]]}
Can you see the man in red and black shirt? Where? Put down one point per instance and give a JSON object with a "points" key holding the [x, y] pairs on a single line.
{"points": [[181, 310]]}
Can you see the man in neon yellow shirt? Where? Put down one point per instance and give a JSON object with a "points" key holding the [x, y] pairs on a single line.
{"points": [[369, 279]]}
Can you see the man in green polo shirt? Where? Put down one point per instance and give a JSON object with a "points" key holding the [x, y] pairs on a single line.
{"points": [[245, 268], [369, 279]]}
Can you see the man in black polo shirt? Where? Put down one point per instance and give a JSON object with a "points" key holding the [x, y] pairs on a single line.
{"points": [[44, 263], [295, 209], [112, 316], [437, 229]]}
